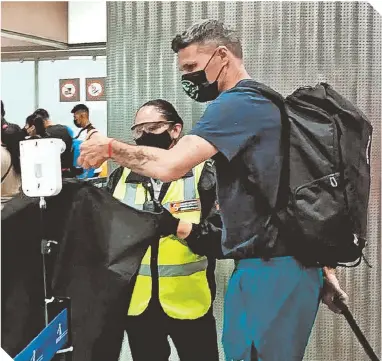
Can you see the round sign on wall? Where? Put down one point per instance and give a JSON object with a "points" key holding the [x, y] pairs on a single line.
{"points": [[69, 90], [95, 89]]}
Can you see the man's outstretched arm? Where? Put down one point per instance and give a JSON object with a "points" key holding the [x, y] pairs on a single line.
{"points": [[166, 165]]}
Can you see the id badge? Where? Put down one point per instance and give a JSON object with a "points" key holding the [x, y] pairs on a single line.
{"points": [[185, 206]]}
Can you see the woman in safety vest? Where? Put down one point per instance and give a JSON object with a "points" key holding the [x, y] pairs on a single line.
{"points": [[175, 287]]}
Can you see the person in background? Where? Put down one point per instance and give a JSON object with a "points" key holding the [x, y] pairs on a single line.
{"points": [[40, 124], [34, 126], [11, 136], [81, 120], [175, 287]]}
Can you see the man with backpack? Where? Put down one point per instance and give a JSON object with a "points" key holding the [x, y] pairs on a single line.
{"points": [[81, 120], [272, 298]]}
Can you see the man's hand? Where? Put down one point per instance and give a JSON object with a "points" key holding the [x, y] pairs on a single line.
{"points": [[94, 150], [332, 290]]}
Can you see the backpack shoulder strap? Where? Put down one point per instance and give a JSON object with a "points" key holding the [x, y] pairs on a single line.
{"points": [[6, 173], [279, 101], [264, 90], [88, 127]]}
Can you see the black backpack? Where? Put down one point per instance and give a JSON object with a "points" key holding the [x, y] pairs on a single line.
{"points": [[325, 181]]}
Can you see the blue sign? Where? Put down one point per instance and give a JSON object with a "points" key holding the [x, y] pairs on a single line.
{"points": [[51, 339]]}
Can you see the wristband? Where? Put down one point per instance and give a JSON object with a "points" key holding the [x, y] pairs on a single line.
{"points": [[110, 149]]}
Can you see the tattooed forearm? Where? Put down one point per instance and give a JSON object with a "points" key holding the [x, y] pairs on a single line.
{"points": [[143, 157], [165, 165], [151, 162]]}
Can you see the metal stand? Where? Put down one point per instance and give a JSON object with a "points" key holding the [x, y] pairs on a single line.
{"points": [[55, 303], [46, 249]]}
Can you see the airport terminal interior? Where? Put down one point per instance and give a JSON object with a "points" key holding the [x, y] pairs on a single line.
{"points": [[92, 65]]}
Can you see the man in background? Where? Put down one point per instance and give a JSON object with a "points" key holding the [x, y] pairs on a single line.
{"points": [[81, 120]]}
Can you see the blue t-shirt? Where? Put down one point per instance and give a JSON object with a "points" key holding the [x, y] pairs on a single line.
{"points": [[245, 127]]}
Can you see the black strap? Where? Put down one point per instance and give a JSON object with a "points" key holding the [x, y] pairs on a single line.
{"points": [[88, 127], [277, 99], [6, 173], [357, 331], [278, 212]]}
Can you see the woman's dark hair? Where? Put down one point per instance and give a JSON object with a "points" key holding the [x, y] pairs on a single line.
{"points": [[11, 136], [3, 121], [2, 110], [42, 113], [38, 122], [166, 109]]}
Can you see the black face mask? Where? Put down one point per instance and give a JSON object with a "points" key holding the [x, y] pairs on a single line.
{"points": [[76, 123], [162, 140], [197, 86]]}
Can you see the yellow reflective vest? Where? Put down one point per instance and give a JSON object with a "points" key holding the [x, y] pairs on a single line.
{"points": [[184, 292]]}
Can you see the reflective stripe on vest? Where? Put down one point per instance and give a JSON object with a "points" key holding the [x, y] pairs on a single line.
{"points": [[131, 190], [130, 194], [183, 286], [189, 187], [175, 270]]}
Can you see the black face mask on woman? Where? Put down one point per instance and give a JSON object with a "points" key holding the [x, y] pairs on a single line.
{"points": [[197, 86], [162, 140]]}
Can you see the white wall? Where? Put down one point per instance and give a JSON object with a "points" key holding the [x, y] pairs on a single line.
{"points": [[17, 90], [49, 94], [86, 22]]}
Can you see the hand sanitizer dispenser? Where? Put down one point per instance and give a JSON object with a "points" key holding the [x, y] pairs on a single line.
{"points": [[40, 161]]}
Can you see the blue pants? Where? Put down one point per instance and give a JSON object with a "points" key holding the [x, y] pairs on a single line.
{"points": [[269, 310]]}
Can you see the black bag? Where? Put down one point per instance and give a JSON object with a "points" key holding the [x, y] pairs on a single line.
{"points": [[101, 243], [325, 182]]}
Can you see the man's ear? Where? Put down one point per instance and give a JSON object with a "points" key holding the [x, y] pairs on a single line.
{"points": [[222, 52]]}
